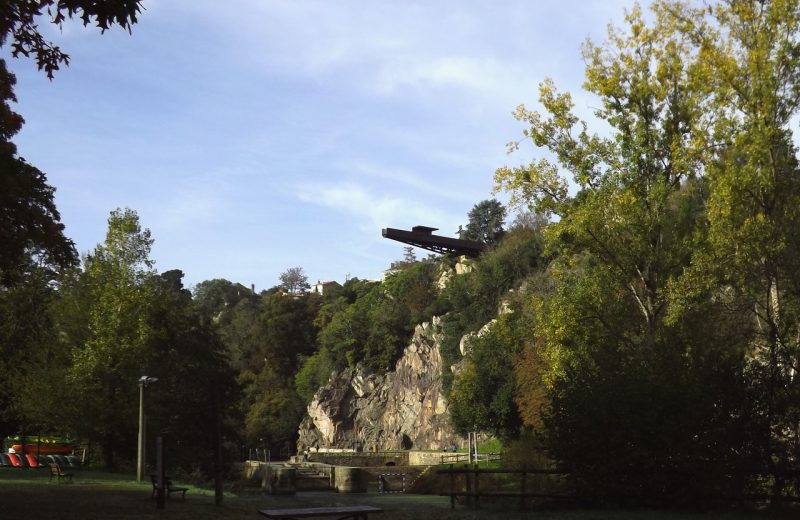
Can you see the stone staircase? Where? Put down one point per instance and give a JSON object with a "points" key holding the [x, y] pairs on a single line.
{"points": [[311, 478], [410, 485]]}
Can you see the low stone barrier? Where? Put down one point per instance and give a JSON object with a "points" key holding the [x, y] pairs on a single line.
{"points": [[361, 459], [349, 480], [279, 480]]}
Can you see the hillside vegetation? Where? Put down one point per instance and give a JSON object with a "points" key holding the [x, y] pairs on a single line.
{"points": [[638, 325]]}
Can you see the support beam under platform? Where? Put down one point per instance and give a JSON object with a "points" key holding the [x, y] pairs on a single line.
{"points": [[423, 237]]}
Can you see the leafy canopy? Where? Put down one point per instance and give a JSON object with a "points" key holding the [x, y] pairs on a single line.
{"points": [[294, 280], [486, 220], [19, 25]]}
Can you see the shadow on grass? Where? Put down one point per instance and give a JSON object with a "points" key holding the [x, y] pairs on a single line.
{"points": [[29, 495]]}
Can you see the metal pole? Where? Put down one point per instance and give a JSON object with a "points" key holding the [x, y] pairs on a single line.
{"points": [[140, 456], [144, 446], [140, 451], [162, 479]]}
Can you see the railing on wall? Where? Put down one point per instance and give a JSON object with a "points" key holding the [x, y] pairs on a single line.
{"points": [[455, 458], [259, 454]]}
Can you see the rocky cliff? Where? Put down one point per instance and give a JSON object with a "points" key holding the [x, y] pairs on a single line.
{"points": [[403, 409]]}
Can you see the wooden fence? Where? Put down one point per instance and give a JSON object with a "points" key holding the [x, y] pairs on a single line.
{"points": [[454, 458], [470, 487]]}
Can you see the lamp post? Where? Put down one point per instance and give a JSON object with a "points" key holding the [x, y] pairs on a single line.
{"points": [[143, 382]]}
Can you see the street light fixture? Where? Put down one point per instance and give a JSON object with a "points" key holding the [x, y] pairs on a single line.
{"points": [[143, 382]]}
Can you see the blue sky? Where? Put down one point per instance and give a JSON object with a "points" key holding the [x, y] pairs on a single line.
{"points": [[272, 134]]}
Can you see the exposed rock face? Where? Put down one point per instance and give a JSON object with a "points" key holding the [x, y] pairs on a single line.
{"points": [[403, 409], [445, 276], [464, 265], [465, 346]]}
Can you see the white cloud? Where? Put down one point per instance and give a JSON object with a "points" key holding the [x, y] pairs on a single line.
{"points": [[372, 210], [394, 176], [487, 78], [383, 49], [192, 205]]}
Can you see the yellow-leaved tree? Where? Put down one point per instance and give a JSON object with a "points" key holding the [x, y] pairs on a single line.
{"points": [[672, 320]]}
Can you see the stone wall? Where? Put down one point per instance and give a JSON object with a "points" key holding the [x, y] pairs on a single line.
{"points": [[361, 459]]}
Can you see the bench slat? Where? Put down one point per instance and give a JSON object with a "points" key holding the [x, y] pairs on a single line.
{"points": [[306, 512]]}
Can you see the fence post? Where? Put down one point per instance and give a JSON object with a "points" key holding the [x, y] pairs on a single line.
{"points": [[468, 481], [452, 488], [522, 489], [477, 487]]}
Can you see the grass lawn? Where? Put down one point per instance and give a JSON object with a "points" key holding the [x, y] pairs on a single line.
{"points": [[29, 494]]}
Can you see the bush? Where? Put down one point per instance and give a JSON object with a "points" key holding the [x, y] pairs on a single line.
{"points": [[472, 299]]}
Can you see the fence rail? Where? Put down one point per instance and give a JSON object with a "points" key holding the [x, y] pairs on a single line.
{"points": [[454, 458], [259, 454], [473, 493]]}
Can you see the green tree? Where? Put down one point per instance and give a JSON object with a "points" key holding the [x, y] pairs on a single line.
{"points": [[346, 333], [408, 259], [288, 331], [408, 255], [240, 330], [747, 63], [378, 324], [196, 385], [32, 363], [19, 25], [116, 354], [470, 300], [314, 372], [267, 337], [486, 220], [631, 212], [31, 232], [530, 220], [483, 393], [30, 229], [273, 409], [624, 240], [339, 325], [293, 280], [211, 297]]}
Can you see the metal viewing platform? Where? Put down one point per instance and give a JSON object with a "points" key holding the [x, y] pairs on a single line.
{"points": [[423, 237]]}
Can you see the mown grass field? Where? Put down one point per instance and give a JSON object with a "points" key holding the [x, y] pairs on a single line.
{"points": [[29, 494]]}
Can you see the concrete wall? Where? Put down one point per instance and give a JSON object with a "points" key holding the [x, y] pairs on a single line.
{"points": [[361, 459], [427, 458], [380, 458], [253, 471]]}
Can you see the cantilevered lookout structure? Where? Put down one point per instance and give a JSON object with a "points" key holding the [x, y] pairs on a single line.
{"points": [[422, 236]]}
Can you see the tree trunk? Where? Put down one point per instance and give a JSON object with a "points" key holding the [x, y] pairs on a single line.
{"points": [[108, 450]]}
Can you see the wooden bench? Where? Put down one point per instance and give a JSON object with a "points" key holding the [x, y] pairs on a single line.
{"points": [[170, 488], [58, 474], [341, 512]]}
